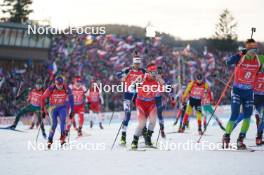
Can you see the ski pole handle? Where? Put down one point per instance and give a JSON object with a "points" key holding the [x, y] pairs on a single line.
{"points": [[253, 29]]}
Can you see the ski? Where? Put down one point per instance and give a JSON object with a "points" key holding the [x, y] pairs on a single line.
{"points": [[7, 128], [122, 145], [84, 135], [58, 147], [256, 146], [138, 149], [177, 132], [152, 147], [235, 150]]}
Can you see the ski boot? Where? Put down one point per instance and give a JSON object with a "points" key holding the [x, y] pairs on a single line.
{"points": [[49, 143], [181, 129], [162, 133], [101, 125], [134, 144], [259, 141], [123, 138], [148, 139], [226, 141], [240, 142], [91, 124], [62, 139], [12, 127], [80, 132]]}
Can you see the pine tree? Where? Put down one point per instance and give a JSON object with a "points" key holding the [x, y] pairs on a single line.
{"points": [[17, 10], [226, 26]]}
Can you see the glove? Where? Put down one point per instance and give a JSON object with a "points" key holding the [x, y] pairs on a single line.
{"points": [[43, 113], [244, 51], [213, 103], [71, 115]]}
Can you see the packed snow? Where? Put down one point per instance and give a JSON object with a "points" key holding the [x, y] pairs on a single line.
{"points": [[94, 154]]}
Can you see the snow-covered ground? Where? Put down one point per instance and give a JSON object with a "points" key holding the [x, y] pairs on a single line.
{"points": [[17, 156]]}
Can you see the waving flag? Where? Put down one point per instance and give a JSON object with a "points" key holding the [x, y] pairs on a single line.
{"points": [[101, 53], [52, 69]]}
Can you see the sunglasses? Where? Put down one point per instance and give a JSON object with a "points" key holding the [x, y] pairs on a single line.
{"points": [[58, 83]]}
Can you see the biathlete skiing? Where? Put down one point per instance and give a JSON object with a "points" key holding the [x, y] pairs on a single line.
{"points": [[34, 100], [129, 79], [59, 96], [195, 90], [247, 65], [78, 91], [146, 105]]}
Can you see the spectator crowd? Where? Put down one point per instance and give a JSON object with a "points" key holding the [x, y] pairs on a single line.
{"points": [[101, 57]]}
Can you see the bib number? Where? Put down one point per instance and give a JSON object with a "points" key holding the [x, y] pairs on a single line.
{"points": [[247, 75]]}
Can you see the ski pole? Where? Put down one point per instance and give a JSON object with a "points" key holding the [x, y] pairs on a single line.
{"points": [[158, 138], [253, 30], [117, 135], [69, 134], [69, 131], [39, 129], [222, 81], [178, 116], [18, 91], [218, 122], [217, 104], [111, 117], [162, 122]]}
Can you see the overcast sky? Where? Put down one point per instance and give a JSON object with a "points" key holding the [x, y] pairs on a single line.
{"points": [[187, 19]]}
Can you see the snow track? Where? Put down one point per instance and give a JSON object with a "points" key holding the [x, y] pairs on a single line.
{"points": [[17, 159]]}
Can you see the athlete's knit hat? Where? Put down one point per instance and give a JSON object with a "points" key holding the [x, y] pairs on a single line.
{"points": [[77, 78], [151, 67], [59, 79], [136, 60], [199, 77], [39, 81]]}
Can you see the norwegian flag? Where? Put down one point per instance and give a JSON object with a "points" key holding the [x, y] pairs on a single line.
{"points": [[101, 53], [114, 58]]}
